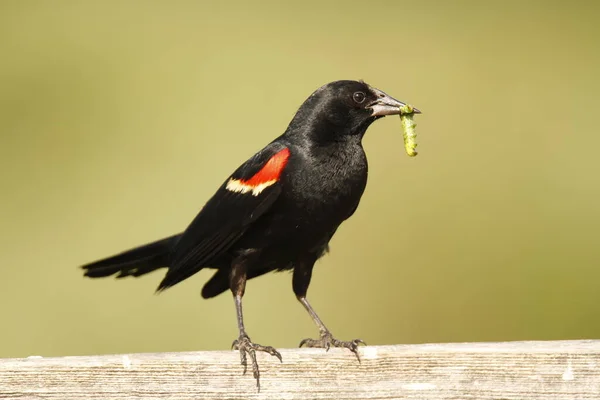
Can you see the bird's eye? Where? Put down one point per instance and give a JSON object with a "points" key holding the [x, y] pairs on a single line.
{"points": [[359, 97]]}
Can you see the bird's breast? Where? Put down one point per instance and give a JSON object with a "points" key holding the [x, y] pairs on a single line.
{"points": [[326, 187], [318, 193]]}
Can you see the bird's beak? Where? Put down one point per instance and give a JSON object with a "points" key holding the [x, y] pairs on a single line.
{"points": [[386, 105]]}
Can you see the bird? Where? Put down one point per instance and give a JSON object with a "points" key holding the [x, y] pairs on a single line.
{"points": [[278, 211]]}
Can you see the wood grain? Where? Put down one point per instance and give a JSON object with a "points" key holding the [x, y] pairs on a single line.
{"points": [[500, 371]]}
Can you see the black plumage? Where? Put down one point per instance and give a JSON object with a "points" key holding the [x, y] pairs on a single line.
{"points": [[277, 211]]}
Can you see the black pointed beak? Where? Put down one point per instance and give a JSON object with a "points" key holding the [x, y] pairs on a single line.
{"points": [[386, 105]]}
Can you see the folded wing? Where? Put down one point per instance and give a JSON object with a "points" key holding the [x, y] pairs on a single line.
{"points": [[242, 199]]}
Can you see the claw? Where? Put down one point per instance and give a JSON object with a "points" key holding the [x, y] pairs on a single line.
{"points": [[247, 348], [327, 341], [244, 362], [273, 352]]}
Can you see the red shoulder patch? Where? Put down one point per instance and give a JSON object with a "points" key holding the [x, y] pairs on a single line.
{"points": [[265, 177], [271, 170]]}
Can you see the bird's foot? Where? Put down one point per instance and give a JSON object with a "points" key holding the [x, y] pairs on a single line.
{"points": [[247, 348], [327, 341]]}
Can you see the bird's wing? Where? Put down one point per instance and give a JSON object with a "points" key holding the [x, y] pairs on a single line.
{"points": [[246, 195]]}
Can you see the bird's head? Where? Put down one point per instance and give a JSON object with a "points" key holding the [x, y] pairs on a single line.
{"points": [[343, 108]]}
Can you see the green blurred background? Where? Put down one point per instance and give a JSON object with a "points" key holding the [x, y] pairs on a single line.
{"points": [[119, 119]]}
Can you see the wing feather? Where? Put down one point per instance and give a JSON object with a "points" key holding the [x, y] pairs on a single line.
{"points": [[241, 200]]}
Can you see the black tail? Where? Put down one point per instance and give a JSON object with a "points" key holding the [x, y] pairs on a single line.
{"points": [[134, 262]]}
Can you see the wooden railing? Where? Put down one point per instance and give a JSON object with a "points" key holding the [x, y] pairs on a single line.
{"points": [[558, 370]]}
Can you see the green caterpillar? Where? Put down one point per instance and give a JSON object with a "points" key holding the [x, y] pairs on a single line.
{"points": [[408, 126]]}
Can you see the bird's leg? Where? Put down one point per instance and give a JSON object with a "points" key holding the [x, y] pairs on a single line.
{"points": [[300, 282], [327, 340], [237, 283]]}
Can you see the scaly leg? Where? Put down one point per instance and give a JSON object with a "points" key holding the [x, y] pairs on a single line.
{"points": [[237, 283], [300, 283]]}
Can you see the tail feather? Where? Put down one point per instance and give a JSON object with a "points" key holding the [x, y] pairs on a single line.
{"points": [[135, 262]]}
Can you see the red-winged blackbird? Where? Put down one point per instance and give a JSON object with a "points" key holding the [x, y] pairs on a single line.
{"points": [[278, 211]]}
